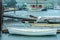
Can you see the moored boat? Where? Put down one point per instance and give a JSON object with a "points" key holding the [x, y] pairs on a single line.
{"points": [[32, 31]]}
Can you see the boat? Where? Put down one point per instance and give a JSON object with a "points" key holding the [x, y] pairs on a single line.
{"points": [[49, 19], [30, 30]]}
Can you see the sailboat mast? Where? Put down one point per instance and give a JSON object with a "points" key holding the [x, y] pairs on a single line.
{"points": [[36, 3]]}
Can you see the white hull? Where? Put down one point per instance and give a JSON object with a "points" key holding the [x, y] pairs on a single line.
{"points": [[28, 31]]}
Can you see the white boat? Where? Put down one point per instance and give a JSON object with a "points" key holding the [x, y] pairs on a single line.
{"points": [[53, 19], [32, 31]]}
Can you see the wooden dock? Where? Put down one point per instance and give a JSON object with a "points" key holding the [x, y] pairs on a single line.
{"points": [[42, 24], [5, 31], [58, 31]]}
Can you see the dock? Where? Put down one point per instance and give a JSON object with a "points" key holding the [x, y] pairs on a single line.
{"points": [[45, 24]]}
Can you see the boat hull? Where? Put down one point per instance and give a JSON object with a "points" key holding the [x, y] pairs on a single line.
{"points": [[32, 31]]}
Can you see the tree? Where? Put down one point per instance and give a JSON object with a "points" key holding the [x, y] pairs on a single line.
{"points": [[11, 3]]}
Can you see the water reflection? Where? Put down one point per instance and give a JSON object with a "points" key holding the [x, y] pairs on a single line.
{"points": [[22, 37]]}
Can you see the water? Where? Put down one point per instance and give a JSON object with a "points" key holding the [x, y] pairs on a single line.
{"points": [[42, 13], [21, 37]]}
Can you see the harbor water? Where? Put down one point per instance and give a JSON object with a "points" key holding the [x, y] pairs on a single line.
{"points": [[22, 37], [42, 13]]}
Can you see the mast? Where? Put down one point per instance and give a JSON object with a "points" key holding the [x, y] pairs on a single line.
{"points": [[36, 4]]}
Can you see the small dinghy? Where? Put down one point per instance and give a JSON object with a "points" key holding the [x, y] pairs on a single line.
{"points": [[32, 30]]}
